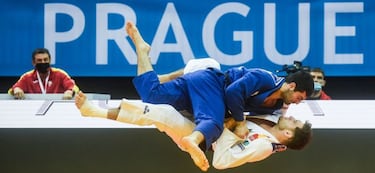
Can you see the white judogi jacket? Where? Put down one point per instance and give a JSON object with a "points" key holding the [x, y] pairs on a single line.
{"points": [[231, 151]]}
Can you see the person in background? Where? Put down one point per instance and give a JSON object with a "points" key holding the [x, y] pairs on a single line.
{"points": [[43, 78], [319, 83]]}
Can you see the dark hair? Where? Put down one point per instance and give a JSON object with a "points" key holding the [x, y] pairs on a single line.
{"points": [[303, 80], [38, 51], [319, 70], [302, 137]]}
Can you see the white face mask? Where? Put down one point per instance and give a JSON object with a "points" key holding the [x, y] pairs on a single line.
{"points": [[317, 86]]}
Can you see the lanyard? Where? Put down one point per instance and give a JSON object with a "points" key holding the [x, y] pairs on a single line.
{"points": [[43, 89]]}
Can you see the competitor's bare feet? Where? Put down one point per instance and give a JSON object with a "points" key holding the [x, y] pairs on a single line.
{"points": [[86, 108], [140, 45], [189, 145], [142, 48]]}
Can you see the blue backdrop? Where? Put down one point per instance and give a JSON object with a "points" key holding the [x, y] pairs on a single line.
{"points": [[88, 38]]}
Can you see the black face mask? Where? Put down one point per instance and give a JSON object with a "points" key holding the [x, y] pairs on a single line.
{"points": [[42, 67]]}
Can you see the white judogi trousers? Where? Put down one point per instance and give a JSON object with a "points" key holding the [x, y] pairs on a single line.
{"points": [[164, 117]]}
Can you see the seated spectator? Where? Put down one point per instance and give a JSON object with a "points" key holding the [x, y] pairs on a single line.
{"points": [[319, 83], [43, 78]]}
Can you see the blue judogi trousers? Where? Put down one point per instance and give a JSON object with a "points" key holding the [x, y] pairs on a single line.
{"points": [[200, 92]]}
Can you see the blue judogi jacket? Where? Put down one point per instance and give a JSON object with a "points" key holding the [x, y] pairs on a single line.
{"points": [[247, 90]]}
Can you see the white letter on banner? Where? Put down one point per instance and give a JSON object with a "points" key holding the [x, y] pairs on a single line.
{"points": [[331, 31], [103, 34], [246, 37], [51, 37], [270, 35], [182, 45]]}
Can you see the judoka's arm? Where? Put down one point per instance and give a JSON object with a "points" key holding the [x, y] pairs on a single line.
{"points": [[170, 76]]}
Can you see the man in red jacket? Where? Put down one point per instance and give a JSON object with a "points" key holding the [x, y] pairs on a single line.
{"points": [[319, 83], [44, 78]]}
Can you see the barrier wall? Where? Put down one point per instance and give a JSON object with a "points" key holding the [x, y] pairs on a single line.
{"points": [[63, 141]]}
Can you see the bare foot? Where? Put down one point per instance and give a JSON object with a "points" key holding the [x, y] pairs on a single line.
{"points": [[86, 108], [142, 49], [80, 99], [198, 156], [141, 46]]}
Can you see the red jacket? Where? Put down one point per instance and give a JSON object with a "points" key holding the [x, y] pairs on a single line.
{"points": [[58, 82], [324, 96]]}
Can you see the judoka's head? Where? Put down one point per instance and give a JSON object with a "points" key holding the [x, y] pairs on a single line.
{"points": [[294, 133], [297, 87]]}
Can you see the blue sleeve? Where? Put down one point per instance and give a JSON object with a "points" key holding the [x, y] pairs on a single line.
{"points": [[250, 84]]}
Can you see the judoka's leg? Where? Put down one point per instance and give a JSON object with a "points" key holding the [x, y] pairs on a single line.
{"points": [[88, 109], [144, 65], [163, 116], [208, 113], [142, 49]]}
